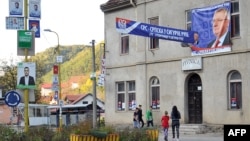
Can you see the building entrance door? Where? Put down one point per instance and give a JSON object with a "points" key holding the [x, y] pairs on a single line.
{"points": [[195, 99]]}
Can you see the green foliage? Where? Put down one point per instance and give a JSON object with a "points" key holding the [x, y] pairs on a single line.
{"points": [[8, 134], [133, 135], [82, 128], [8, 81], [43, 133]]}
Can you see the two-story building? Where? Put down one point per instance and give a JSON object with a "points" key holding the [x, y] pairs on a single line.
{"points": [[209, 85]]}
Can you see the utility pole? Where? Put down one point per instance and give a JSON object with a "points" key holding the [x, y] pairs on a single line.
{"points": [[93, 78], [26, 91]]}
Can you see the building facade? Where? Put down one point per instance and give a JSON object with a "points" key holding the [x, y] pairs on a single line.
{"points": [[208, 86]]}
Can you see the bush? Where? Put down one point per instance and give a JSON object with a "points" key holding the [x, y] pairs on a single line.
{"points": [[133, 135]]}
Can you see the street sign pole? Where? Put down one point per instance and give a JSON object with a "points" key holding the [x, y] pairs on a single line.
{"points": [[26, 91]]}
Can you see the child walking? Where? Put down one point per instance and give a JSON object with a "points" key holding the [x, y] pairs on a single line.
{"points": [[165, 125]]}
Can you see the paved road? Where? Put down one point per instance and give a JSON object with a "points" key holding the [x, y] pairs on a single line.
{"points": [[196, 137]]}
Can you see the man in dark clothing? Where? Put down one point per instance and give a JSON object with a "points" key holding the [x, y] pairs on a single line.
{"points": [[141, 122]]}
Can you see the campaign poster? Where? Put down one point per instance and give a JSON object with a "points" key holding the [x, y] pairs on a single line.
{"points": [[16, 7], [15, 23], [26, 75], [34, 25], [127, 26], [213, 27], [35, 9]]}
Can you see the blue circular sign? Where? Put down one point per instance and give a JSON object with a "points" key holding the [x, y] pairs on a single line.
{"points": [[12, 98]]}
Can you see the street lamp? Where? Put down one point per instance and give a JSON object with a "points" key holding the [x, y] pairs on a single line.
{"points": [[59, 74]]}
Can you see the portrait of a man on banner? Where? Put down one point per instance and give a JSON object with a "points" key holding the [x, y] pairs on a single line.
{"points": [[212, 25]]}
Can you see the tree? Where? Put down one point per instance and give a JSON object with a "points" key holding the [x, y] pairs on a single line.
{"points": [[9, 80]]}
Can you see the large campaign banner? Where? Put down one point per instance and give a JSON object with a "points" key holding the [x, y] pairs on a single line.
{"points": [[143, 29], [213, 27]]}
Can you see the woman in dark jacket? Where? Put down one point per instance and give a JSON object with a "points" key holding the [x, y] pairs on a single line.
{"points": [[175, 116]]}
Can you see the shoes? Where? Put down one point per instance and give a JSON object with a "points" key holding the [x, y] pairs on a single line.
{"points": [[166, 138]]}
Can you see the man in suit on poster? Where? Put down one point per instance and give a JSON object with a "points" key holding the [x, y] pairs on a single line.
{"points": [[220, 25], [35, 12], [16, 10], [27, 79]]}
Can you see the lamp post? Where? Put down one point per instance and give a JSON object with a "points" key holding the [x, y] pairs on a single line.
{"points": [[59, 61]]}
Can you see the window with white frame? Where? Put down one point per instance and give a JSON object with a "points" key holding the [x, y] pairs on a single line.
{"points": [[154, 42], [120, 96], [235, 90], [124, 43], [155, 93], [126, 95], [131, 95]]}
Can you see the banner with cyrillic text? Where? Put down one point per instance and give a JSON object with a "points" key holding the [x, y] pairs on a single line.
{"points": [[147, 30]]}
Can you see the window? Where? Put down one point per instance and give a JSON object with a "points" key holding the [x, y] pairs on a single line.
{"points": [[188, 19], [124, 43], [154, 42], [155, 93], [235, 19], [235, 90], [131, 95], [126, 94], [121, 96]]}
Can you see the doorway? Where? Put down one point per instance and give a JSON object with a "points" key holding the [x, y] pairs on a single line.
{"points": [[194, 99]]}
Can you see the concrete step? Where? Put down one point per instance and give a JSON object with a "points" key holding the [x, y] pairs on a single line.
{"points": [[190, 129]]}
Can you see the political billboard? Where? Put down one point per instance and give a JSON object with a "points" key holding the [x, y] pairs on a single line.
{"points": [[213, 27], [147, 30]]}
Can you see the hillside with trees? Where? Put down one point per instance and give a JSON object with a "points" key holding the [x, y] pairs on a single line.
{"points": [[77, 61]]}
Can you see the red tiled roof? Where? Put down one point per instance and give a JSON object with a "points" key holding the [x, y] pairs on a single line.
{"points": [[79, 98], [46, 85], [72, 97]]}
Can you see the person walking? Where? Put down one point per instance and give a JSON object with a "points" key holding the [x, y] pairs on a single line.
{"points": [[175, 117], [165, 125], [135, 119], [141, 122], [149, 117]]}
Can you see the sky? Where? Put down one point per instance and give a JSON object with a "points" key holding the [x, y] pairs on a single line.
{"points": [[75, 21]]}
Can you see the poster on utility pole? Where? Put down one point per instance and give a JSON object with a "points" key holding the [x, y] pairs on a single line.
{"points": [[26, 75], [15, 7], [35, 8]]}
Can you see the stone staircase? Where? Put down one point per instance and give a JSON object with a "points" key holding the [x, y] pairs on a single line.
{"points": [[186, 129], [191, 129]]}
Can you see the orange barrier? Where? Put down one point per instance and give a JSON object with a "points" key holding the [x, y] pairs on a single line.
{"points": [[109, 137], [153, 134]]}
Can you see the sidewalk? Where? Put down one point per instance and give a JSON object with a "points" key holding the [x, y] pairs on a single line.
{"points": [[195, 137]]}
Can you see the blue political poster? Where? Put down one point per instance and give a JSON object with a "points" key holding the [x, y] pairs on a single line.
{"points": [[34, 25], [213, 27], [147, 30]]}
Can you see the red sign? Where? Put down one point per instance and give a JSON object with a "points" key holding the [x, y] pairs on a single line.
{"points": [[55, 69]]}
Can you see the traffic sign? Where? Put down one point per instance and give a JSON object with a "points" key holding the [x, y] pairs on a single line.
{"points": [[12, 98]]}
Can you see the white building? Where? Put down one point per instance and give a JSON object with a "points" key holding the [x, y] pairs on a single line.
{"points": [[207, 88]]}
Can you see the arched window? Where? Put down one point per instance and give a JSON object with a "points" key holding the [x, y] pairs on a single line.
{"points": [[155, 93], [235, 90]]}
